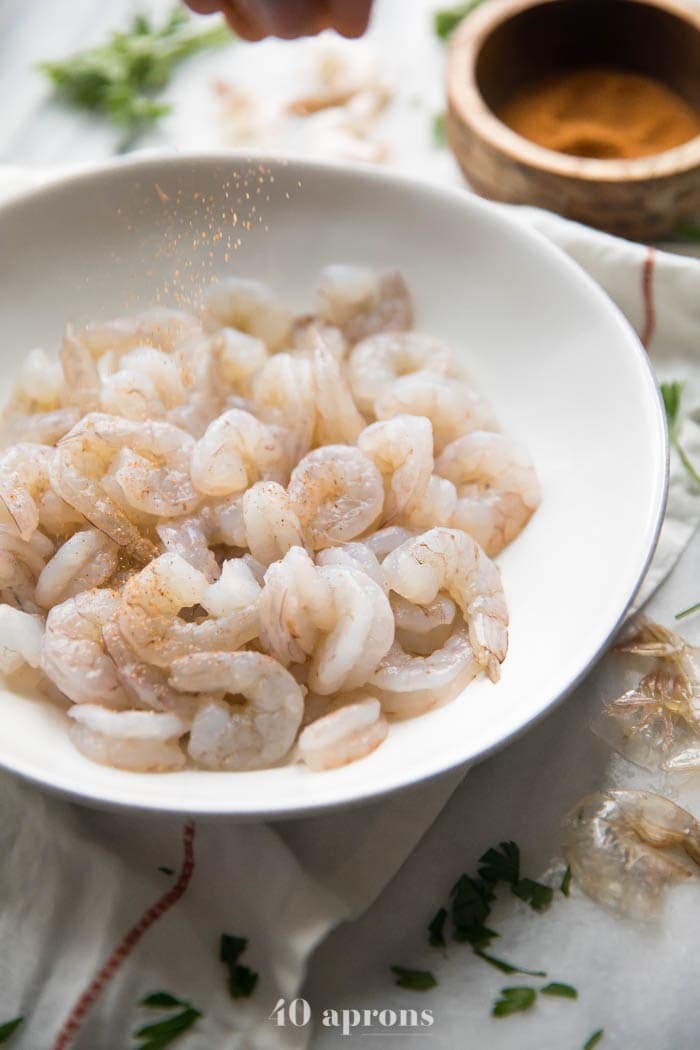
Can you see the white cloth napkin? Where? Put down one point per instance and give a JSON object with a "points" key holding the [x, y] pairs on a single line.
{"points": [[94, 921]]}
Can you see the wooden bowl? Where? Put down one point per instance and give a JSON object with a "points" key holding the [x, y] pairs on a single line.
{"points": [[505, 45]]}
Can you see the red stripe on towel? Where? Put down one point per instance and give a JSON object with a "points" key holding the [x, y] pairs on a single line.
{"points": [[647, 332], [150, 916]]}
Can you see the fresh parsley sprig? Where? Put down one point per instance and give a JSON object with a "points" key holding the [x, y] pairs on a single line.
{"points": [[241, 979], [415, 980], [671, 394], [119, 79], [9, 1027], [159, 1034], [593, 1039], [514, 1000]]}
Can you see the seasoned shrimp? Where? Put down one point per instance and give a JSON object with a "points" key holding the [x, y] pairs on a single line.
{"points": [[271, 524], [40, 428], [256, 733], [160, 326], [223, 521], [351, 732], [251, 307], [134, 740], [24, 477], [73, 654], [353, 556], [295, 605], [239, 356], [236, 589], [283, 395], [148, 614], [40, 382], [452, 406], [402, 450], [146, 385], [21, 634], [80, 371], [337, 493], [236, 450], [409, 684], [87, 560], [497, 487], [436, 506], [361, 303], [337, 417], [189, 538], [386, 540], [376, 362], [617, 845], [450, 560], [21, 562]]}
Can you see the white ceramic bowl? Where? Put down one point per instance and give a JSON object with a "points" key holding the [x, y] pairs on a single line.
{"points": [[566, 373]]}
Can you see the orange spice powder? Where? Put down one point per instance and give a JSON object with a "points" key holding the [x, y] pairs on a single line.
{"points": [[602, 113]]}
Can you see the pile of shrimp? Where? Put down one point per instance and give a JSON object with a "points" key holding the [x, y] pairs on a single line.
{"points": [[236, 537]]}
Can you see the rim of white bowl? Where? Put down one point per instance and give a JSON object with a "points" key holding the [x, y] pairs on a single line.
{"points": [[343, 797]]}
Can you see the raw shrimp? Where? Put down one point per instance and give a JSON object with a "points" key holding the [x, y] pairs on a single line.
{"points": [[251, 735], [223, 521], [376, 362], [236, 450], [146, 385], [337, 615], [21, 562], [423, 619], [309, 331], [40, 382], [616, 842], [344, 735], [402, 450], [362, 303], [88, 559], [354, 556], [24, 477], [21, 634], [236, 589], [271, 524], [337, 493], [80, 371], [450, 560], [188, 537], [239, 356], [149, 621], [283, 396], [160, 326], [85, 455], [452, 406], [251, 307], [435, 507], [409, 684], [385, 540], [497, 487], [133, 740], [337, 418], [73, 654], [41, 428]]}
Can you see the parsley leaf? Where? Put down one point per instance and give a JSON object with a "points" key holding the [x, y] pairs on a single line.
{"points": [[8, 1028], [565, 991], [166, 871], [446, 20], [436, 929], [501, 864], [566, 882], [416, 980], [513, 1001], [594, 1039], [162, 1033], [671, 394], [241, 979], [506, 967], [161, 999], [439, 131], [118, 79], [537, 895], [471, 905]]}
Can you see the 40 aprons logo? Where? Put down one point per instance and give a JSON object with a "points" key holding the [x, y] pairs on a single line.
{"points": [[297, 1014]]}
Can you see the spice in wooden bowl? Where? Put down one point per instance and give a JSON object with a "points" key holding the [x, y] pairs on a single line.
{"points": [[603, 113]]}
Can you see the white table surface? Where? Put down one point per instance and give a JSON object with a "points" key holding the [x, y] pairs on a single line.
{"points": [[521, 793]]}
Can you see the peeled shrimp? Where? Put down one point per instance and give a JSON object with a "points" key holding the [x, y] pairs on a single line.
{"points": [[40, 380], [251, 307], [88, 559], [271, 524], [402, 450], [73, 654], [436, 506], [236, 450], [82, 379], [24, 477], [337, 493], [615, 845], [21, 634], [239, 356], [409, 684], [344, 735], [160, 326], [236, 589], [386, 540], [41, 428], [452, 406], [450, 560], [353, 556], [295, 606], [148, 614], [337, 417], [251, 735], [21, 562], [146, 385], [283, 395], [497, 487], [188, 537], [376, 362], [362, 303], [134, 740]]}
